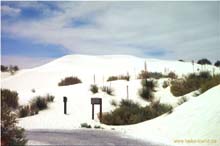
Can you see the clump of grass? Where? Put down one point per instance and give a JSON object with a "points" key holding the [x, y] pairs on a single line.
{"points": [[85, 125], [69, 81], [108, 90], [94, 89], [97, 127], [182, 100], [114, 103]]}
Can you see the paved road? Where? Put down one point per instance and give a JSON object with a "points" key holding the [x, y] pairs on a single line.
{"points": [[81, 138]]}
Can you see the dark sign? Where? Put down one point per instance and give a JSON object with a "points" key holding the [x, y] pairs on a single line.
{"points": [[96, 101]]}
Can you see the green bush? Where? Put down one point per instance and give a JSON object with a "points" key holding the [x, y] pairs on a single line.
{"points": [[24, 111], [112, 78], [69, 81], [182, 100], [108, 90], [49, 98], [146, 92], [97, 127], [94, 89], [129, 112], [85, 125], [190, 83], [165, 84], [172, 75], [155, 75], [113, 103], [121, 77], [149, 84], [157, 108], [210, 83], [11, 135], [143, 75], [39, 102], [36, 104], [10, 98]]}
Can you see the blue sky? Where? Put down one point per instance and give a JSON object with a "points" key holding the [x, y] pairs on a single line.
{"points": [[42, 31]]}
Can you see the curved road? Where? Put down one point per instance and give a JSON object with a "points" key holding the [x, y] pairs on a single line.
{"points": [[81, 138]]}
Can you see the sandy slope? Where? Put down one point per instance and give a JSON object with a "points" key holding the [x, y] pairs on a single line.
{"points": [[197, 119], [194, 119], [46, 77]]}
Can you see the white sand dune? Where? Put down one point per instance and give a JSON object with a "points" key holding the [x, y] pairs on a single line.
{"points": [[197, 119]]}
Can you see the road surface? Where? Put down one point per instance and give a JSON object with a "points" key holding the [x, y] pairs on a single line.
{"points": [[81, 138]]}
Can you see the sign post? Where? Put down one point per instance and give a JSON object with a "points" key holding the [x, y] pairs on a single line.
{"points": [[65, 100], [96, 101]]}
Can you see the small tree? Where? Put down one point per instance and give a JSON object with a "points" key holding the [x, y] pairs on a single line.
{"points": [[217, 63], [10, 98], [10, 133], [204, 61], [4, 68]]}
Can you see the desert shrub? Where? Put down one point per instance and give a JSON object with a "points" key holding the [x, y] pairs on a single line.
{"points": [[165, 84], [33, 90], [113, 103], [108, 90], [94, 89], [210, 83], [33, 109], [85, 125], [36, 104], [112, 78], [121, 77], [146, 92], [155, 75], [172, 75], [69, 81], [10, 98], [143, 75], [97, 127], [190, 83], [49, 98], [149, 84], [24, 111], [157, 109], [10, 133], [182, 100], [39, 102], [129, 112]]}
